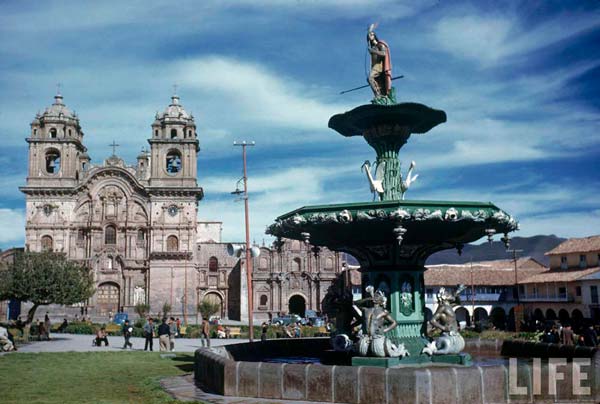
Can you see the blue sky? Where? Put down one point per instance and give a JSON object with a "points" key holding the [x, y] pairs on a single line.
{"points": [[518, 81]]}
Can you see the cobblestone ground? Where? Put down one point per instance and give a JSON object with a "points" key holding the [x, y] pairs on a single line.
{"points": [[83, 343]]}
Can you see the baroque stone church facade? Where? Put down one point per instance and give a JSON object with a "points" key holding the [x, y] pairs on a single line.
{"points": [[136, 227]]}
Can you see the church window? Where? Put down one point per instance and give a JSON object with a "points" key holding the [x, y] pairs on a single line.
{"points": [[80, 235], [53, 133], [263, 300], [296, 264], [213, 264], [172, 244], [69, 132], [156, 132], [173, 133], [46, 243], [329, 264], [141, 236], [173, 163], [189, 133], [52, 161], [109, 263], [110, 235], [35, 132]]}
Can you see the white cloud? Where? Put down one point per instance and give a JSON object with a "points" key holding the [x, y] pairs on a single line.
{"points": [[254, 93], [491, 39], [12, 223]]}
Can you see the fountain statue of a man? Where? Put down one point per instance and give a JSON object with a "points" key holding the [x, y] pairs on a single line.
{"points": [[444, 319], [376, 322], [380, 77]]}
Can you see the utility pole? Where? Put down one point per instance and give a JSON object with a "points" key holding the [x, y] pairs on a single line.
{"points": [[472, 296], [518, 312], [248, 251], [514, 253]]}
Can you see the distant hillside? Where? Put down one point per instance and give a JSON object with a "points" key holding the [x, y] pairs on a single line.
{"points": [[534, 247]]}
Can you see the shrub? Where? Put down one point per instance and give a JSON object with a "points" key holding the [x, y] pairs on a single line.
{"points": [[80, 328]]}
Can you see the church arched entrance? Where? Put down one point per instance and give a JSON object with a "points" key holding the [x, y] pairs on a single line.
{"points": [[108, 299], [297, 305], [216, 300]]}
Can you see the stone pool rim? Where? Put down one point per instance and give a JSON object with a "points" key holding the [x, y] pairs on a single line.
{"points": [[224, 371]]}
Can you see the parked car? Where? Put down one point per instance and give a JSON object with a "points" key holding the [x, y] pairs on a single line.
{"points": [[287, 319], [312, 318]]}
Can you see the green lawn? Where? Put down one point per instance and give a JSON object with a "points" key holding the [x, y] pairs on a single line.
{"points": [[88, 377]]}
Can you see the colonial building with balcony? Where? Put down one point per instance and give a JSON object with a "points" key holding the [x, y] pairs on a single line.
{"points": [[570, 288], [490, 293]]}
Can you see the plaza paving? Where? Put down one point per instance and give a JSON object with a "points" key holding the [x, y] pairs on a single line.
{"points": [[83, 343]]}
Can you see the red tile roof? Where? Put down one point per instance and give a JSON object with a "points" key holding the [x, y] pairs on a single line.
{"points": [[560, 275], [492, 273], [577, 245]]}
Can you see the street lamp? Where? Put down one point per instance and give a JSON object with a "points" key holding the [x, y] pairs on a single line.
{"points": [[248, 248]]}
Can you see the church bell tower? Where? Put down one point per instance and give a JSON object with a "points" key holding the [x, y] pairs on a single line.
{"points": [[173, 148], [56, 152]]}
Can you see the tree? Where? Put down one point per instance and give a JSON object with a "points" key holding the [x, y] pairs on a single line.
{"points": [[45, 278], [208, 308], [141, 309], [166, 308]]}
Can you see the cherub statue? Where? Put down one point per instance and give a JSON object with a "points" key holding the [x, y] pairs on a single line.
{"points": [[444, 319]]}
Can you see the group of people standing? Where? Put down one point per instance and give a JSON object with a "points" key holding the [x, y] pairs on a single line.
{"points": [[565, 335], [167, 331]]}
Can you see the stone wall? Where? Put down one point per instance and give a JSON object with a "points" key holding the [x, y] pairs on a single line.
{"points": [[221, 370]]}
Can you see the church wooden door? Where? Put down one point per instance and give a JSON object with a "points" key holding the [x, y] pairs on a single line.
{"points": [[107, 298]]}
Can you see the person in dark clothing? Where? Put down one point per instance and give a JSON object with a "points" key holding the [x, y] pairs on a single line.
{"points": [[63, 326], [555, 337], [164, 332], [263, 335], [590, 336], [101, 336], [148, 333], [127, 330]]}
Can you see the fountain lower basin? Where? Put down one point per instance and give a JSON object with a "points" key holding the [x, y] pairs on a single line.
{"points": [[238, 370]]}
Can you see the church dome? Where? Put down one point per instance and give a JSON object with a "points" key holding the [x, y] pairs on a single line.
{"points": [[175, 113], [58, 111]]}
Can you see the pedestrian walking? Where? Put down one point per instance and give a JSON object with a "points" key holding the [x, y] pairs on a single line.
{"points": [[127, 330], [173, 328], [205, 338], [148, 333], [47, 324], [164, 331]]}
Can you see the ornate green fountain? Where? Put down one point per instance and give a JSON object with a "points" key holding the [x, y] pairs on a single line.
{"points": [[392, 237]]}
